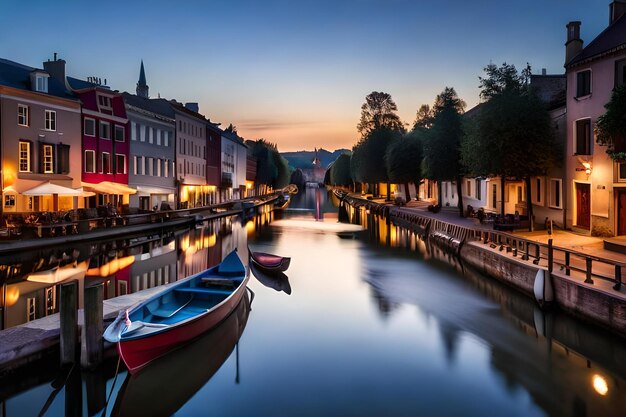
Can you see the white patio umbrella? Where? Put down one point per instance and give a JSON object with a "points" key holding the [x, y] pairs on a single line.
{"points": [[48, 188]]}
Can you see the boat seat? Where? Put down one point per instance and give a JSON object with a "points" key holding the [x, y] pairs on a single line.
{"points": [[217, 280], [167, 310], [202, 290]]}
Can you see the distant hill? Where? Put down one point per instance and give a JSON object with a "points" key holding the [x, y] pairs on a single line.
{"points": [[304, 159]]}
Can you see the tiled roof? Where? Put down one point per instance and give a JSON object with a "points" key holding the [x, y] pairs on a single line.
{"points": [[159, 106], [611, 39], [15, 75]]}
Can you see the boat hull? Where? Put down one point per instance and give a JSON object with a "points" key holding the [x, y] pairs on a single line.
{"points": [[281, 267], [137, 353]]}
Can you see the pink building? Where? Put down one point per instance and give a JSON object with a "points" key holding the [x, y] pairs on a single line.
{"points": [[595, 185]]}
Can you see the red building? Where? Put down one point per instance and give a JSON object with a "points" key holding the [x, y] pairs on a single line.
{"points": [[105, 139]]}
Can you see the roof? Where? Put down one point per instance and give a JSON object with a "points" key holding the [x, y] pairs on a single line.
{"points": [[474, 111], [550, 89], [179, 107], [15, 75], [611, 39], [77, 84], [234, 137], [158, 106]]}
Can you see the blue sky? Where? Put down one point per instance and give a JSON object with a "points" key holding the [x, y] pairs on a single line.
{"points": [[295, 72]]}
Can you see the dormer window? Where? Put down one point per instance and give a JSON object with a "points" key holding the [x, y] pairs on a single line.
{"points": [[39, 81], [104, 104]]}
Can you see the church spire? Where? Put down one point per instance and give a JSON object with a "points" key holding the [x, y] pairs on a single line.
{"points": [[142, 87]]}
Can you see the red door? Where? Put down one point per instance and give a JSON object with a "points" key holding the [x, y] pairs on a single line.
{"points": [[583, 205], [621, 212]]}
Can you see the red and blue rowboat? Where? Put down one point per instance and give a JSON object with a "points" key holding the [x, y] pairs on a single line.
{"points": [[179, 313]]}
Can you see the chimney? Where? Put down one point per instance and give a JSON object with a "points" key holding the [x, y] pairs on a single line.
{"points": [[193, 107], [616, 10], [574, 44], [56, 69]]}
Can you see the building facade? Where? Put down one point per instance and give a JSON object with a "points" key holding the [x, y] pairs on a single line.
{"points": [[213, 159], [40, 134], [234, 162], [595, 186]]}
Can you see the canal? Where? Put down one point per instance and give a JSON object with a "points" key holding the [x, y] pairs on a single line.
{"points": [[376, 323]]}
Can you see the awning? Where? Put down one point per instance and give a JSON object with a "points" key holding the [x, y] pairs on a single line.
{"points": [[108, 187], [47, 188], [147, 190]]}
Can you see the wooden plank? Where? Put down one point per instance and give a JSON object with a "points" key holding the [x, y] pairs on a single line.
{"points": [[68, 313], [94, 326]]}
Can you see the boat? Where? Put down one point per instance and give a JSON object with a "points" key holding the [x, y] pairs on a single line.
{"points": [[269, 263], [187, 369], [179, 313], [276, 280]]}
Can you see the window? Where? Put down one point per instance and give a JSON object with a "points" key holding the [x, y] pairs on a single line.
{"points": [[158, 167], [48, 167], [105, 130], [104, 104], [494, 195], [90, 161], [620, 73], [41, 83], [478, 190], [556, 193], [51, 120], [621, 172], [24, 156], [133, 131], [22, 115], [150, 134], [119, 133], [166, 166], [120, 164], [158, 136], [31, 310], [142, 133], [62, 159], [583, 83], [150, 166], [90, 127], [106, 163], [166, 138], [135, 165], [583, 137], [9, 200]]}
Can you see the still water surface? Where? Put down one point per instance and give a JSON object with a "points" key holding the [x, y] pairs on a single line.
{"points": [[361, 327]]}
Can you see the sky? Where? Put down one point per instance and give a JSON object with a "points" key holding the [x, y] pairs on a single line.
{"points": [[295, 72]]}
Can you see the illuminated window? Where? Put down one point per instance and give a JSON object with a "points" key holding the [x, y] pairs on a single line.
{"points": [[24, 156], [9, 200], [48, 166]]}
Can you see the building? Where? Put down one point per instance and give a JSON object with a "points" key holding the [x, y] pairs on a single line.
{"points": [[234, 162], [40, 134], [191, 162], [251, 168], [213, 159], [595, 186], [105, 147], [152, 170]]}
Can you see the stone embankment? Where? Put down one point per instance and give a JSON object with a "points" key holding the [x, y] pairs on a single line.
{"points": [[588, 287]]}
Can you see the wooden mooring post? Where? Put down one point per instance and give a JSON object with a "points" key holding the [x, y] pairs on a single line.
{"points": [[91, 355], [68, 315]]}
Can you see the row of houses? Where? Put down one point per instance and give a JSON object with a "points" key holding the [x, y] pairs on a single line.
{"points": [[68, 143], [587, 193]]}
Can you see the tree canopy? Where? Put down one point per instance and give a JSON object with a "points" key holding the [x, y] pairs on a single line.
{"points": [[423, 118], [611, 127], [340, 170], [501, 79], [404, 160], [272, 168], [368, 155], [378, 111]]}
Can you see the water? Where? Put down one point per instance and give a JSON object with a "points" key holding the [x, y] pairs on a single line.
{"points": [[383, 324]]}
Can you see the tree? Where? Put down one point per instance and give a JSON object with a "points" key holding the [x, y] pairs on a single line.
{"points": [[378, 111], [403, 160], [503, 78], [340, 170], [611, 127], [231, 129], [368, 162], [272, 168], [442, 142], [423, 118], [512, 137]]}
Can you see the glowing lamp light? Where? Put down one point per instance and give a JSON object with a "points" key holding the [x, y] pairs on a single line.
{"points": [[587, 166], [12, 295], [600, 385]]}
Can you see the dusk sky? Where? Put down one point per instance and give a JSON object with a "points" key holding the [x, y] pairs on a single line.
{"points": [[295, 72]]}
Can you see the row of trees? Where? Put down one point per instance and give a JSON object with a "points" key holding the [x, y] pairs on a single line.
{"points": [[509, 135], [272, 169]]}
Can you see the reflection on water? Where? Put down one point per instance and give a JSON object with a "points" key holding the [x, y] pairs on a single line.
{"points": [[378, 323]]}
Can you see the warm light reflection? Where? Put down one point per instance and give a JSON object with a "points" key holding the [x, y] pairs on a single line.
{"points": [[111, 267], [600, 385], [55, 275], [12, 295], [250, 227]]}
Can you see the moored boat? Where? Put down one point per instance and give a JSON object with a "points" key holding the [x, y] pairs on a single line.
{"points": [[179, 313], [269, 263], [276, 280]]}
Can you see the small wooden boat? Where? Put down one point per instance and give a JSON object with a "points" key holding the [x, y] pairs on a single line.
{"points": [[179, 313], [276, 280], [269, 263], [187, 370]]}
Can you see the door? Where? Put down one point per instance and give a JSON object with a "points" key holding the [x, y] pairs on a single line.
{"points": [[621, 212], [583, 205]]}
